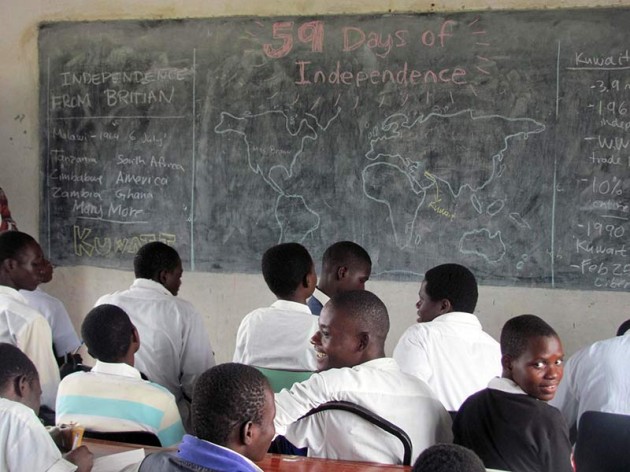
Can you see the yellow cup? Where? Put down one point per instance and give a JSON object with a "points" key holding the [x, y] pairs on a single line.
{"points": [[77, 435]]}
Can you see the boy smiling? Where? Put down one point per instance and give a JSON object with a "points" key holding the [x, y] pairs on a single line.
{"points": [[352, 367], [510, 425]]}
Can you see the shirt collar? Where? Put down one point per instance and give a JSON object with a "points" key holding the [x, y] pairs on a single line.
{"points": [[459, 317], [505, 385], [118, 368], [383, 363], [12, 293], [205, 453], [321, 296], [150, 285], [291, 306]]}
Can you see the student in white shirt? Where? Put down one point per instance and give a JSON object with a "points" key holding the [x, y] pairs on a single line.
{"points": [[447, 348], [65, 339], [175, 346], [345, 266], [278, 337], [353, 367], [596, 378], [21, 268], [25, 444]]}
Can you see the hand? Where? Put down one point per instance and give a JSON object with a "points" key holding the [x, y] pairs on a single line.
{"points": [[82, 458]]}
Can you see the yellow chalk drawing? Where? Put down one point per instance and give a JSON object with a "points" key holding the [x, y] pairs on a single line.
{"points": [[434, 204], [94, 246]]}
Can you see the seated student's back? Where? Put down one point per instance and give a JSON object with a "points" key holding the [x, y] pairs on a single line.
{"points": [[278, 337], [113, 397], [175, 343], [447, 347]]}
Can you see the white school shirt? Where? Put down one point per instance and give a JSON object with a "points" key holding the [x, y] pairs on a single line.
{"points": [[452, 354], [25, 443], [596, 378], [25, 328], [174, 343], [278, 337], [381, 387], [64, 336]]}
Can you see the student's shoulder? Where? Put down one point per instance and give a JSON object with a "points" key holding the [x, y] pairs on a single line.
{"points": [[158, 393]]}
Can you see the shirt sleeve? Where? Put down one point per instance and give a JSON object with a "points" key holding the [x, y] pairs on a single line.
{"points": [[30, 447], [411, 354], [302, 398], [65, 337], [35, 340], [197, 354], [171, 428], [241, 342]]}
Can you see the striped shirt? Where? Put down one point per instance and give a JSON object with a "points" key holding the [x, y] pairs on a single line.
{"points": [[114, 398]]}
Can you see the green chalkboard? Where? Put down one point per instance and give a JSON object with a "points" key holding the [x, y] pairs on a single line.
{"points": [[500, 140]]}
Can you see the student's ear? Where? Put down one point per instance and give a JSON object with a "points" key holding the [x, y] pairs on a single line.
{"points": [[9, 264], [21, 384], [364, 341], [445, 306], [135, 339], [342, 271], [506, 362], [162, 276], [247, 433]]}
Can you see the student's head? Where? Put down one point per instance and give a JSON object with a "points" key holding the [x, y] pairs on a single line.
{"points": [[345, 266], [448, 458], [21, 261], [18, 377], [233, 406], [532, 356], [109, 334], [623, 327], [446, 288], [353, 327], [161, 263], [287, 269]]}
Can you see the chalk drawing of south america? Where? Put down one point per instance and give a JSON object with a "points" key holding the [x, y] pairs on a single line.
{"points": [[453, 151], [274, 141]]}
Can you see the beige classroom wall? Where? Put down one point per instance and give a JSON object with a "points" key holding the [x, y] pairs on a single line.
{"points": [[223, 299]]}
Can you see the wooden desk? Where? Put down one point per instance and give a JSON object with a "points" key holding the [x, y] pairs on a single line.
{"points": [[271, 462], [280, 463]]}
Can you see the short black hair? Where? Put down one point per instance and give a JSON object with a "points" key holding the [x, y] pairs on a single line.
{"points": [[455, 283], [448, 458], [623, 327], [366, 307], [518, 330], [285, 267], [344, 253], [107, 332], [14, 363], [154, 257], [227, 396], [12, 242]]}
